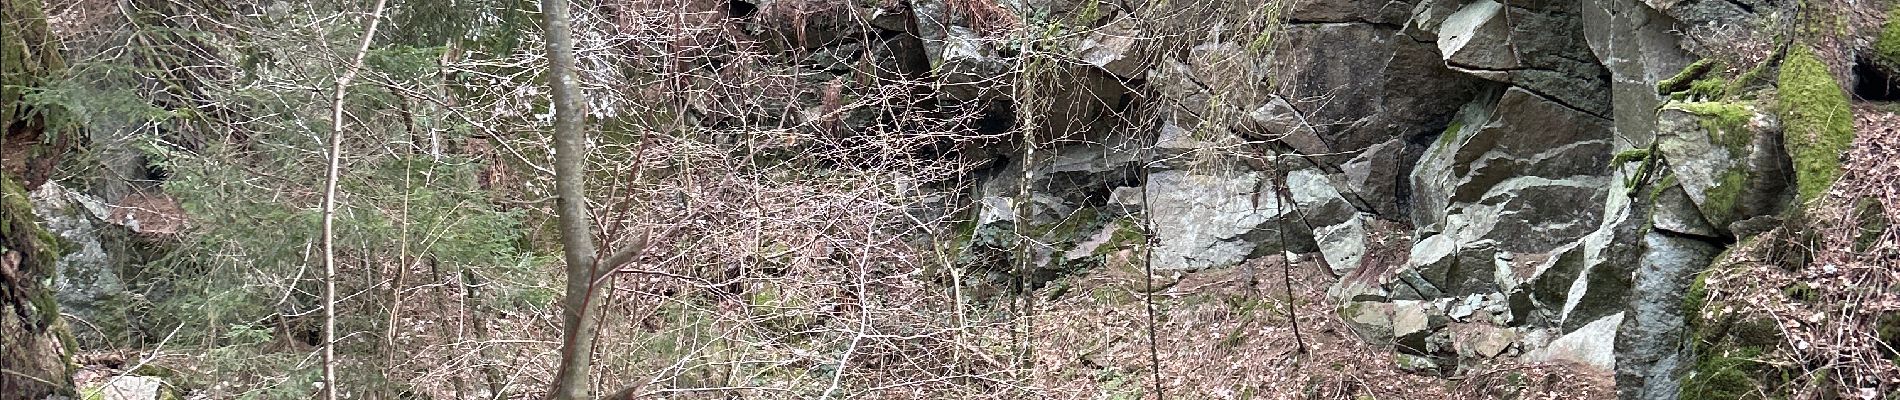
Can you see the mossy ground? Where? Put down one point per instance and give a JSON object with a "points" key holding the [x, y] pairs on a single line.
{"points": [[1723, 376]]}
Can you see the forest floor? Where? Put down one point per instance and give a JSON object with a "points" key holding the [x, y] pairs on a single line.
{"points": [[1226, 335]]}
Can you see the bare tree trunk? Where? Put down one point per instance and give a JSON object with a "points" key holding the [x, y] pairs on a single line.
{"points": [[329, 200], [577, 236]]}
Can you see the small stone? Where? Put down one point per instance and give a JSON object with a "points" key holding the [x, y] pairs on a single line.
{"points": [[1482, 340], [1372, 320], [1593, 345]]}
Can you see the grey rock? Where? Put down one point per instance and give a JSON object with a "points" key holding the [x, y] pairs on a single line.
{"points": [[1610, 256], [1348, 11], [933, 23], [1674, 212], [1219, 220], [1728, 176], [1639, 46], [127, 388], [1593, 345], [1128, 200], [1343, 245], [1397, 86], [970, 68], [1650, 363], [1429, 16], [1070, 173], [1532, 214], [1277, 120], [1455, 268], [87, 281], [1413, 324], [1714, 12], [1547, 287], [1416, 364], [1372, 320], [1318, 200], [1481, 340], [1520, 135], [1541, 49], [1477, 37], [1377, 176], [1117, 49], [1461, 309]]}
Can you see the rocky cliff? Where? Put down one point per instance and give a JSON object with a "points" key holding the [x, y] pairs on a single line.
{"points": [[1558, 172], [1484, 181]]}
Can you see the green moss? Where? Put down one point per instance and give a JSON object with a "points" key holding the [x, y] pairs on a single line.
{"points": [[1683, 80], [1697, 296], [1634, 182], [43, 249], [1709, 88], [1069, 230], [1721, 202], [1801, 291], [1631, 155], [1871, 216], [1655, 191], [1127, 234], [40, 249], [1817, 124], [1729, 347], [1753, 77], [1757, 332], [1726, 122], [1887, 48], [1726, 376], [1451, 132]]}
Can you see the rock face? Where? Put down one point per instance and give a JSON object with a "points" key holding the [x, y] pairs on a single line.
{"points": [[1556, 196], [1557, 201], [1204, 221], [88, 278]]}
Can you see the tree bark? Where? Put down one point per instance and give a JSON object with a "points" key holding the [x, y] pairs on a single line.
{"points": [[577, 236], [329, 199]]}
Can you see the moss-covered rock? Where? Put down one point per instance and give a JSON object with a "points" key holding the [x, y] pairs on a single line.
{"points": [[37, 347], [1726, 122], [1723, 201], [1816, 121], [1887, 48], [1683, 80]]}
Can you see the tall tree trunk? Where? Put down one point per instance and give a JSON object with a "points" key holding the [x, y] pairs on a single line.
{"points": [[577, 236]]}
